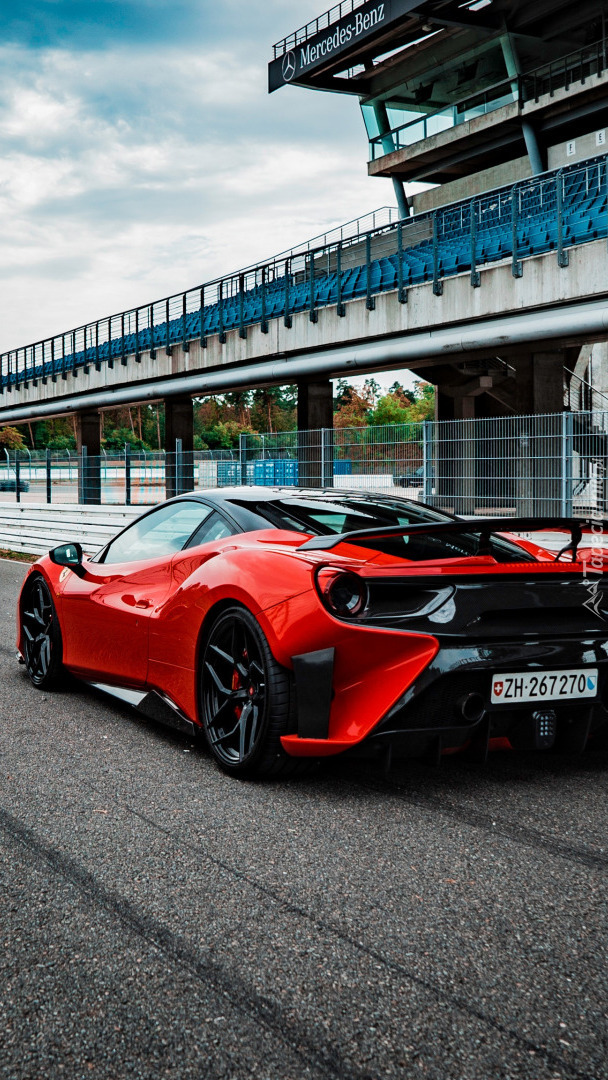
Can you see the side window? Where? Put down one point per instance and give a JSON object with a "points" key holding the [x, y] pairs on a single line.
{"points": [[162, 532], [214, 528]]}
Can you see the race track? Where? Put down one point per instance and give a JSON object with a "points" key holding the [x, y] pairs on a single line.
{"points": [[158, 919]]}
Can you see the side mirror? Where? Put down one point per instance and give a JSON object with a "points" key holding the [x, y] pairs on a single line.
{"points": [[68, 555]]}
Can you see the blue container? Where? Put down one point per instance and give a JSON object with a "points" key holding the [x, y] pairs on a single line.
{"points": [[276, 472], [343, 467], [228, 474]]}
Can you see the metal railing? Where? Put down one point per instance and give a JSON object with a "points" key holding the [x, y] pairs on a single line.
{"points": [[423, 127], [545, 465], [532, 216], [172, 321], [354, 229], [314, 27], [531, 86]]}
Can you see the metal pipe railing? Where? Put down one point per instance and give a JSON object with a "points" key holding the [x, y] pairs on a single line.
{"points": [[529, 86]]}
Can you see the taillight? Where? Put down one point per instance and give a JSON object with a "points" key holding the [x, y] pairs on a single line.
{"points": [[343, 594]]}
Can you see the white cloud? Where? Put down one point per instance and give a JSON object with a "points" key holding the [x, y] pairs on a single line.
{"points": [[125, 176]]}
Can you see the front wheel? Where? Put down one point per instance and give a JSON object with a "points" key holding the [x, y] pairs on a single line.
{"points": [[41, 635], [245, 698]]}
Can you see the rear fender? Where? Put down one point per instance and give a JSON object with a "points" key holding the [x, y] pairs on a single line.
{"points": [[372, 667], [249, 576]]}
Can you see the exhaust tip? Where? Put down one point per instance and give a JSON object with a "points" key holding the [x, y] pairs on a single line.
{"points": [[472, 708]]}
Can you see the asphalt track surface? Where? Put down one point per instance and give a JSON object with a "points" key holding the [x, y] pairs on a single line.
{"points": [[158, 919]]}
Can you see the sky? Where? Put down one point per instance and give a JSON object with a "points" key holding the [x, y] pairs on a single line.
{"points": [[140, 153]]}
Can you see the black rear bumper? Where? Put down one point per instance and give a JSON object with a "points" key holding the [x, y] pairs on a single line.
{"points": [[449, 704]]}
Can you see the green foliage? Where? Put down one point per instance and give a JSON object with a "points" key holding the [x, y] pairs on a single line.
{"points": [[219, 421], [423, 407], [117, 438], [59, 442], [389, 410], [56, 434]]}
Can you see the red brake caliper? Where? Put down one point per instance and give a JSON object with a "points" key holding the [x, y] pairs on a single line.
{"points": [[236, 685]]}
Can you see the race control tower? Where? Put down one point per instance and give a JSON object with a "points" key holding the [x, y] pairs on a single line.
{"points": [[465, 95]]}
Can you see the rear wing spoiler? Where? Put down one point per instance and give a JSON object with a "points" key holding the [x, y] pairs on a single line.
{"points": [[485, 528]]}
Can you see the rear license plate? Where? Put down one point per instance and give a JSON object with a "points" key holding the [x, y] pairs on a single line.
{"points": [[544, 686]]}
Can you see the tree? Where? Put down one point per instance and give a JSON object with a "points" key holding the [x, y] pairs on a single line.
{"points": [[399, 391], [423, 407], [354, 411], [371, 390], [391, 409], [239, 404], [342, 394], [274, 409], [11, 439], [117, 438]]}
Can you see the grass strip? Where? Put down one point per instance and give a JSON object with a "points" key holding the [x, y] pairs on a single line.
{"points": [[18, 556]]}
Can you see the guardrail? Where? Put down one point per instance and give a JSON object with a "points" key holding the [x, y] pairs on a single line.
{"points": [[35, 528], [311, 29]]}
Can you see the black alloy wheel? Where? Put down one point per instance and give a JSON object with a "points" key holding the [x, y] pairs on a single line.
{"points": [[245, 698], [42, 645]]}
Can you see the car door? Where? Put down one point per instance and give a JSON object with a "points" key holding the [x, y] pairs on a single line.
{"points": [[105, 615], [171, 636]]}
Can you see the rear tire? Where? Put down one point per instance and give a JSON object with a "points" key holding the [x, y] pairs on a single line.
{"points": [[41, 634], [245, 699]]}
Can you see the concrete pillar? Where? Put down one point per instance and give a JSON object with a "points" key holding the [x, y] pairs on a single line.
{"points": [[88, 443], [455, 453], [388, 145], [403, 203], [443, 465], [539, 385], [315, 438], [533, 147], [465, 455], [179, 425], [539, 389], [315, 405], [530, 138]]}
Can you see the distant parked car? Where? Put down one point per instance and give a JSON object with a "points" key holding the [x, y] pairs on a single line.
{"points": [[9, 483], [413, 479]]}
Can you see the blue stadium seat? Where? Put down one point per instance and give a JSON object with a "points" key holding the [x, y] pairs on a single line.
{"points": [[585, 217]]}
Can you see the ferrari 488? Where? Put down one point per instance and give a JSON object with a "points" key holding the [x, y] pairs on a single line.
{"points": [[285, 624]]}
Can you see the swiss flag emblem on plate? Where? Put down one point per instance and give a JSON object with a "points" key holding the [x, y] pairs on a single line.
{"points": [[498, 686]]}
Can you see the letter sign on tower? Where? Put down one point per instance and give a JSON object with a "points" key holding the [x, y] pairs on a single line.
{"points": [[329, 43]]}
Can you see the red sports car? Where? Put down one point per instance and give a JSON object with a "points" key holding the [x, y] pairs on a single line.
{"points": [[288, 624]]}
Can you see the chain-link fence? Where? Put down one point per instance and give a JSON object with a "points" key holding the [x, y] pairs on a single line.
{"points": [[542, 465]]}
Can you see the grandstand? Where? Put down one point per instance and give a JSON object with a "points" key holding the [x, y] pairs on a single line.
{"points": [[451, 87], [554, 211]]}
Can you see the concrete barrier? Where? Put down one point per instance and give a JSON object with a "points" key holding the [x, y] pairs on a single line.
{"points": [[37, 527]]}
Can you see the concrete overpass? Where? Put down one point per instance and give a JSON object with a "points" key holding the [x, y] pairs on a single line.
{"points": [[549, 309], [393, 298]]}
